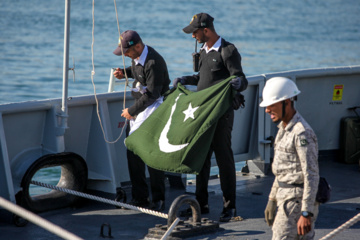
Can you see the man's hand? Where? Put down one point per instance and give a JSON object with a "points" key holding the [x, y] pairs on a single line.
{"points": [[238, 101], [125, 114], [304, 225], [178, 80], [236, 83], [118, 73], [270, 212]]}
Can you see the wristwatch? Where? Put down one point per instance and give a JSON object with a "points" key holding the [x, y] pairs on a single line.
{"points": [[306, 214]]}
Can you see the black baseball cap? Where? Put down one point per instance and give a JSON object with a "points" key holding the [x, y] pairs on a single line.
{"points": [[200, 20], [127, 39]]}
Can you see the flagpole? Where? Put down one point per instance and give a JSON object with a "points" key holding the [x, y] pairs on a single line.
{"points": [[63, 114], [64, 108]]}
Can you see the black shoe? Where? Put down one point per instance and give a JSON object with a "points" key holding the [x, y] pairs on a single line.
{"points": [[158, 206], [120, 196], [144, 203], [188, 212], [204, 209], [227, 214]]}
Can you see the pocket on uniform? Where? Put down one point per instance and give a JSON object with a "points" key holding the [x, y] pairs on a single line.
{"points": [[286, 154], [292, 207], [215, 65], [286, 149]]}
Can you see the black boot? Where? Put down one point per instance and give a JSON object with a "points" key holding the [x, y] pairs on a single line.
{"points": [[227, 214]]}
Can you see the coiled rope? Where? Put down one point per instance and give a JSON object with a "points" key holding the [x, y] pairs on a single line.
{"points": [[21, 212], [93, 73], [100, 199], [346, 225]]}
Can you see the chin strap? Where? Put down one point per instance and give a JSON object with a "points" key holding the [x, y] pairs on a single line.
{"points": [[283, 110]]}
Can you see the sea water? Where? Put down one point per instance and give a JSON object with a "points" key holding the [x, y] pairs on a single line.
{"points": [[271, 36]]}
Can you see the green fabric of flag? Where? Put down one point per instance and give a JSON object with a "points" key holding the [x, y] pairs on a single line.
{"points": [[177, 136]]}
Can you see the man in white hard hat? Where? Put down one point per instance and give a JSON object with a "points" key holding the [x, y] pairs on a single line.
{"points": [[295, 165]]}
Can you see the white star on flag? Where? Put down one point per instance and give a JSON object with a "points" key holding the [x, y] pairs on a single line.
{"points": [[189, 113]]}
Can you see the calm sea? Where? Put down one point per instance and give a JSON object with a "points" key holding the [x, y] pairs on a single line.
{"points": [[271, 36]]}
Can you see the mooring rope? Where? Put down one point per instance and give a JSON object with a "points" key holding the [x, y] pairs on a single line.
{"points": [[346, 225], [170, 229], [100, 199], [21, 212]]}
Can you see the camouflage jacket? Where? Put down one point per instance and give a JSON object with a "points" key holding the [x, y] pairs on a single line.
{"points": [[296, 162]]}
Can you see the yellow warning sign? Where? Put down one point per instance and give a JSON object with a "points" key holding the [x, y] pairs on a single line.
{"points": [[338, 92]]}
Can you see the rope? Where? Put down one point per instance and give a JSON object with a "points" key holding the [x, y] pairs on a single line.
{"points": [[100, 199], [122, 53], [104, 200], [346, 225], [21, 212], [171, 228], [93, 73]]}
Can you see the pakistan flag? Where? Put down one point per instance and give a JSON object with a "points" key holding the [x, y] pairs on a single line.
{"points": [[177, 136]]}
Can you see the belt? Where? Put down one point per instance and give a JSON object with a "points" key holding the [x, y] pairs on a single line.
{"points": [[286, 185]]}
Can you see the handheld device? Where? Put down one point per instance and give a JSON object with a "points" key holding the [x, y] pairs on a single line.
{"points": [[196, 58]]}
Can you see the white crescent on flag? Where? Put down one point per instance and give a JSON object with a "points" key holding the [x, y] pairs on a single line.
{"points": [[164, 144]]}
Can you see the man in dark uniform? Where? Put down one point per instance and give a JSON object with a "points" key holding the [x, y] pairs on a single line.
{"points": [[219, 60], [151, 81]]}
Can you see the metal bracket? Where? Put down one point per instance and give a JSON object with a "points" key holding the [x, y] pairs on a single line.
{"points": [[178, 202], [184, 229], [102, 231], [354, 109], [73, 69], [191, 227], [268, 140]]}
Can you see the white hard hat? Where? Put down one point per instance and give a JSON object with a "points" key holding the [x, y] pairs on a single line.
{"points": [[278, 89]]}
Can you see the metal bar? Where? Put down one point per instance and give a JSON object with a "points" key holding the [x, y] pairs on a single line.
{"points": [[9, 189], [19, 211], [66, 64]]}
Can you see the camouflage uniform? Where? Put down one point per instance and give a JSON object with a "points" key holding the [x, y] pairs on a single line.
{"points": [[295, 163]]}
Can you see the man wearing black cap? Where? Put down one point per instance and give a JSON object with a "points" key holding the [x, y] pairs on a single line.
{"points": [[219, 60], [151, 81]]}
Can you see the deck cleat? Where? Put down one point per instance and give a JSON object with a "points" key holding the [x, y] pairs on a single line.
{"points": [[193, 226]]}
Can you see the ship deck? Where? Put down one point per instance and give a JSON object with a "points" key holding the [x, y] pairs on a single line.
{"points": [[86, 219]]}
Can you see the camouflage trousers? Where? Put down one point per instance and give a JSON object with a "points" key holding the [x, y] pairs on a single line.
{"points": [[287, 216]]}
